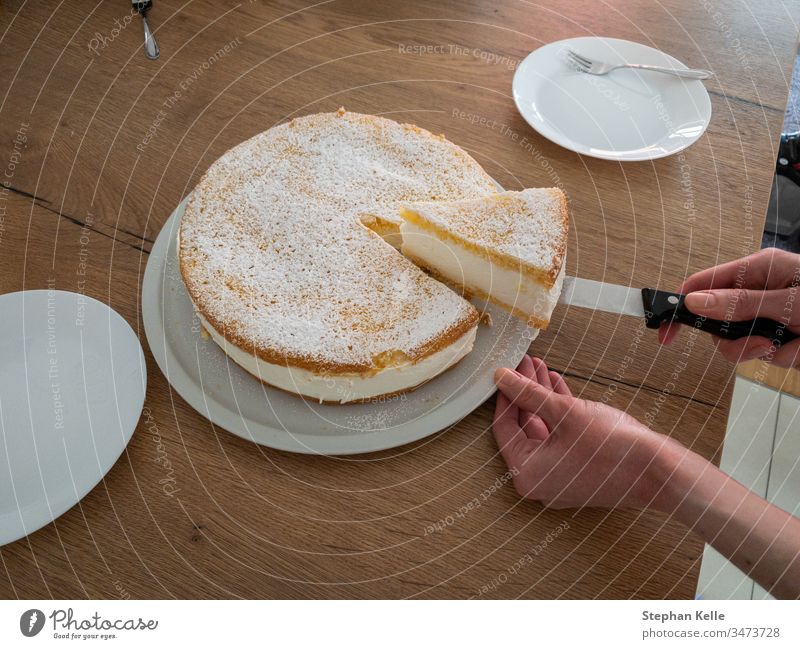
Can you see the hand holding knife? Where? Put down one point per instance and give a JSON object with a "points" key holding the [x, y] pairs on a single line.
{"points": [[662, 307]]}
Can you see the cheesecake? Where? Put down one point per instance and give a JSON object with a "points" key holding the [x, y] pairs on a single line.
{"points": [[287, 249], [508, 248]]}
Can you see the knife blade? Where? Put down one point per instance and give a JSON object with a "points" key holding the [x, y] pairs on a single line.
{"points": [[658, 307], [601, 296]]}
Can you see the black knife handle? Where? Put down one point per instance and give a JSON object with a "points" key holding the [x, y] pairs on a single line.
{"points": [[661, 307]]}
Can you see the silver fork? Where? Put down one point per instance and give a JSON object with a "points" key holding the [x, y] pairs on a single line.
{"points": [[590, 66], [150, 46]]}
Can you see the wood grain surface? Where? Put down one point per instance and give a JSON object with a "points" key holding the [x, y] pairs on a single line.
{"points": [[778, 378], [99, 141]]}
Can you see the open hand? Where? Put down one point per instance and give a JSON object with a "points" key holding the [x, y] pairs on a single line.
{"points": [[763, 284], [568, 452]]}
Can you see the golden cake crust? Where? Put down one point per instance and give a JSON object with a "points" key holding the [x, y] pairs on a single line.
{"points": [[275, 257]]}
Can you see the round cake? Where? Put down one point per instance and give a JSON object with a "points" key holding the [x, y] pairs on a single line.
{"points": [[281, 255]]}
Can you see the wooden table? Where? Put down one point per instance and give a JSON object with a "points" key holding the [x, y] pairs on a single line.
{"points": [[98, 147]]}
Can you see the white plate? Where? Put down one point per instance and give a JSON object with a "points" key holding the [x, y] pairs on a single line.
{"points": [[230, 397], [71, 392], [624, 115]]}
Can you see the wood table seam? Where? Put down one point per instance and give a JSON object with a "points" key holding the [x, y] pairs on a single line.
{"points": [[45, 205]]}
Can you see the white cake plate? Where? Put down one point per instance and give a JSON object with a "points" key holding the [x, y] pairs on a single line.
{"points": [[231, 398]]}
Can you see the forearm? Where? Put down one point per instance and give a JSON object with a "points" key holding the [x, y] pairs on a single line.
{"points": [[760, 539]]}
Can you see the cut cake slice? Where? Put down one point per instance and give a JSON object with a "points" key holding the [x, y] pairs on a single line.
{"points": [[508, 248]]}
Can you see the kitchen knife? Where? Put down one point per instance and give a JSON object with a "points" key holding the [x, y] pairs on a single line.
{"points": [[658, 307]]}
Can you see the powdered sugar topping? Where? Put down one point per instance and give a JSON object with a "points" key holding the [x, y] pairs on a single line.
{"points": [[273, 251]]}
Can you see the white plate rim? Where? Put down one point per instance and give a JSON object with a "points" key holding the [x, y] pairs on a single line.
{"points": [[543, 129]]}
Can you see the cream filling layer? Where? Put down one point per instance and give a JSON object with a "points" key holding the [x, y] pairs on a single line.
{"points": [[343, 388], [471, 270]]}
